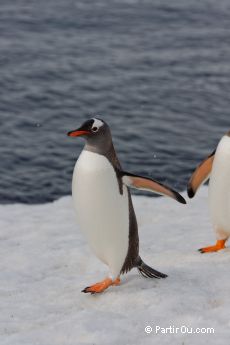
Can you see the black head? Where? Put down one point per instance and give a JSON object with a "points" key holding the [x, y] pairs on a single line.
{"points": [[91, 127], [95, 131]]}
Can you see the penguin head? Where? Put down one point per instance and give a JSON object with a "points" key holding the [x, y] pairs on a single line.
{"points": [[95, 131]]}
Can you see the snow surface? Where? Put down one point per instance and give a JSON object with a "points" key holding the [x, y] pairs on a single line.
{"points": [[45, 263]]}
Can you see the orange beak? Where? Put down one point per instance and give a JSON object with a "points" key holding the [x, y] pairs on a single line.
{"points": [[77, 133]]}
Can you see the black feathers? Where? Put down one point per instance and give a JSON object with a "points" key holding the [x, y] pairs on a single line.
{"points": [[148, 272]]}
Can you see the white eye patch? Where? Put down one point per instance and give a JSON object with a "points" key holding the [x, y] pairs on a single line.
{"points": [[97, 123]]}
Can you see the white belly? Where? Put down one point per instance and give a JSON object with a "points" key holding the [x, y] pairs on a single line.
{"points": [[219, 189], [102, 212]]}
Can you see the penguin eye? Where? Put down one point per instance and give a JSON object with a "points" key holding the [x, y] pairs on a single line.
{"points": [[94, 129]]}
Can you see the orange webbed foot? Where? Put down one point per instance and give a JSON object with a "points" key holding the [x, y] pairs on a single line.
{"points": [[220, 244], [101, 286]]}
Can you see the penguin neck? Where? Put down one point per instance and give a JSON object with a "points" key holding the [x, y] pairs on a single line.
{"points": [[107, 150], [101, 149]]}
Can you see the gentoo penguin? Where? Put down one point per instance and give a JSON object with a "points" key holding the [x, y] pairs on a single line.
{"points": [[216, 167], [104, 207]]}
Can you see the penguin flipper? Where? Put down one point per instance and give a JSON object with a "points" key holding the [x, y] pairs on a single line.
{"points": [[200, 175], [150, 185]]}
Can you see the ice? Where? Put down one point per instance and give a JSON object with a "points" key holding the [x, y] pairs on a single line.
{"points": [[46, 262]]}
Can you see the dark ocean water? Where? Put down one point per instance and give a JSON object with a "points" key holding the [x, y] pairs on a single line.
{"points": [[157, 71]]}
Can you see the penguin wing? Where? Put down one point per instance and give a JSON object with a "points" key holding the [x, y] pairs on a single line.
{"points": [[147, 184], [200, 175]]}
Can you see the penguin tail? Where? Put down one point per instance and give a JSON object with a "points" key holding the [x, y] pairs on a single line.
{"points": [[147, 271]]}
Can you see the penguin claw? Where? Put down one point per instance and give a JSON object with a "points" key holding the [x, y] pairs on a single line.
{"points": [[85, 289], [201, 251]]}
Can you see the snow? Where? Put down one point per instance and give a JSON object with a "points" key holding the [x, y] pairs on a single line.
{"points": [[45, 263]]}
